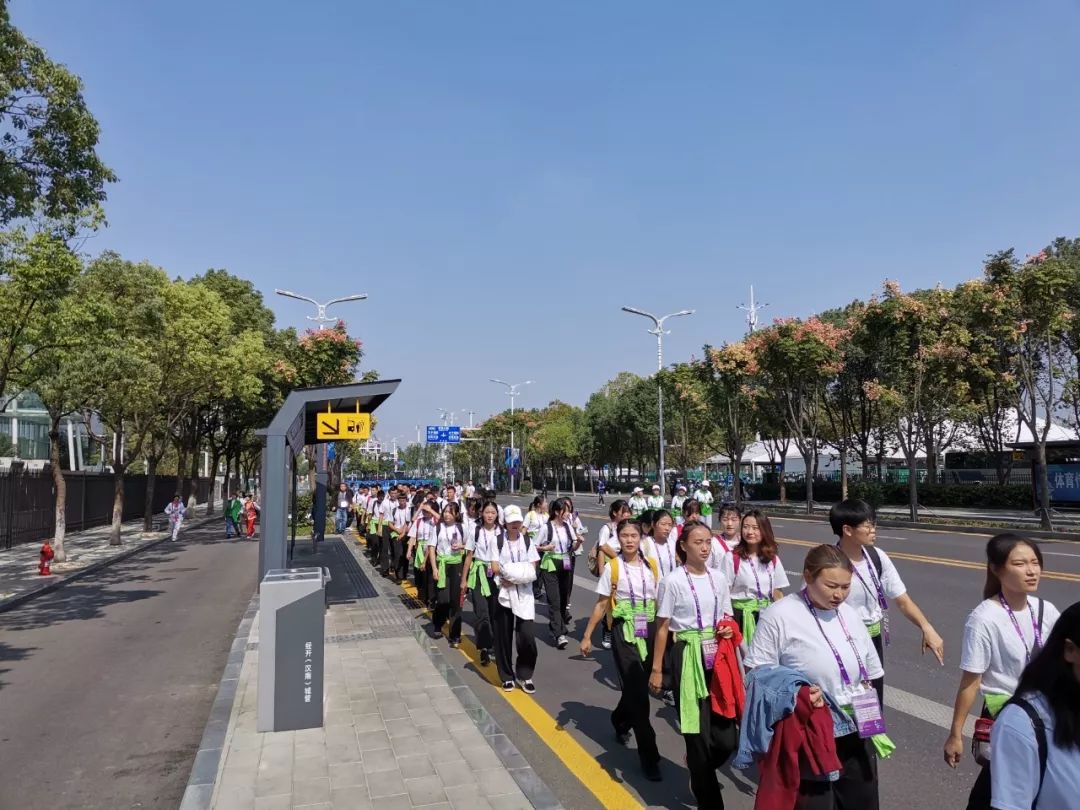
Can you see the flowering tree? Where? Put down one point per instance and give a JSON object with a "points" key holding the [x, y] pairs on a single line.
{"points": [[729, 373], [796, 360]]}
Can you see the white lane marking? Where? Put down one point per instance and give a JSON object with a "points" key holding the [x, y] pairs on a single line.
{"points": [[1060, 553], [921, 708]]}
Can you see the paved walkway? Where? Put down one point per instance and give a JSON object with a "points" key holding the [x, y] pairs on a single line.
{"points": [[86, 551], [401, 729]]}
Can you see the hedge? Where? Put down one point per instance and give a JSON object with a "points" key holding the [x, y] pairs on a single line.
{"points": [[979, 496]]}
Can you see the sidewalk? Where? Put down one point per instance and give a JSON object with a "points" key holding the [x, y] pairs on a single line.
{"points": [[87, 551], [401, 728]]}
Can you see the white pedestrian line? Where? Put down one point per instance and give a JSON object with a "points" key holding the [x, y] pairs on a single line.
{"points": [[1059, 553], [923, 709]]}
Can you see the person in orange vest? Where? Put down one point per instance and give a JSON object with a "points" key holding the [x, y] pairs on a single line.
{"points": [[251, 510]]}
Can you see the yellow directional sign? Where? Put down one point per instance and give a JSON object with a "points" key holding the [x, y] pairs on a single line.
{"points": [[342, 425]]}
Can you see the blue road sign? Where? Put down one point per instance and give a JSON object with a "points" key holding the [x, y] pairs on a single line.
{"points": [[443, 435]]}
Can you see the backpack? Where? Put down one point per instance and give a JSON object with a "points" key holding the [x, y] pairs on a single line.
{"points": [[1040, 739], [502, 537], [614, 564], [875, 558]]}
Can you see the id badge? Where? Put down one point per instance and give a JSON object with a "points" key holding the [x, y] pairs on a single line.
{"points": [[708, 651], [868, 713], [566, 564], [641, 625], [489, 572]]}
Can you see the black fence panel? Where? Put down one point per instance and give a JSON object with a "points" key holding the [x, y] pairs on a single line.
{"points": [[27, 501]]}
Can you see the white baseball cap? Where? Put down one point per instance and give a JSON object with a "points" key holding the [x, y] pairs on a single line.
{"points": [[656, 487], [637, 490], [512, 514], [704, 482], [682, 487]]}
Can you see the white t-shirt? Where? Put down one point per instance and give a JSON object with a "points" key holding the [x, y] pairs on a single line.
{"points": [[663, 553], [1014, 775], [486, 546], [561, 536], [638, 504], [386, 509], [863, 595], [676, 600], [744, 585], [703, 496], [717, 555], [445, 537], [992, 648], [608, 537], [654, 502], [401, 516], [639, 577], [515, 551], [534, 521], [788, 635]]}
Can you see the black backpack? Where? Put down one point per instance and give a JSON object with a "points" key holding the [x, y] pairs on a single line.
{"points": [[875, 558], [502, 537], [1040, 739]]}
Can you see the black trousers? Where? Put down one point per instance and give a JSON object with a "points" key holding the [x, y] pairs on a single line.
{"points": [[448, 602], [557, 588], [386, 551], [570, 584], [399, 563], [879, 683], [484, 611], [857, 788], [634, 712], [425, 584], [508, 629], [708, 749]]}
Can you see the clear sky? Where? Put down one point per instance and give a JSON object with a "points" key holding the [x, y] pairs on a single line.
{"points": [[501, 177]]}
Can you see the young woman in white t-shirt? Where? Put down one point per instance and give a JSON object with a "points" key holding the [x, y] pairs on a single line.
{"points": [[607, 546], [556, 544], [754, 572], [481, 550], [1000, 637], [693, 601], [632, 602], [446, 554], [814, 632], [1049, 686], [662, 546]]}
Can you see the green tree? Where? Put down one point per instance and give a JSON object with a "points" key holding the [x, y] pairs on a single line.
{"points": [[731, 390], [117, 373], [796, 362], [48, 154]]}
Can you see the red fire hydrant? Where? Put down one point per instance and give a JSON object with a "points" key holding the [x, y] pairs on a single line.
{"points": [[46, 556]]}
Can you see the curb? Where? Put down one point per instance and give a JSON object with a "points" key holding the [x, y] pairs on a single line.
{"points": [[204, 771], [54, 584]]}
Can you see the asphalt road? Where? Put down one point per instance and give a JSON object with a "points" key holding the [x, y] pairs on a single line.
{"points": [[106, 683], [944, 574]]}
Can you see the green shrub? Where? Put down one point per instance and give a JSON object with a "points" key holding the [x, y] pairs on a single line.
{"points": [[526, 487]]}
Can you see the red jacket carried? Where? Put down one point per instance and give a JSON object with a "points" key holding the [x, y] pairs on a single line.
{"points": [[726, 688], [802, 739]]}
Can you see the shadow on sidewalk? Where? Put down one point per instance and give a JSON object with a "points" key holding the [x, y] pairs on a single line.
{"points": [[10, 653]]}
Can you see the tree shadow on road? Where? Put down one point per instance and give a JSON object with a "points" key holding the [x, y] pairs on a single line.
{"points": [[622, 763], [9, 652]]}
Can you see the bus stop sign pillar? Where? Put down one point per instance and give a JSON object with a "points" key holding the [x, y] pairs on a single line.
{"points": [[292, 605]]}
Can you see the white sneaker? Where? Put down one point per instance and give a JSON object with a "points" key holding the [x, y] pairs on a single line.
{"points": [[527, 686], [561, 642]]}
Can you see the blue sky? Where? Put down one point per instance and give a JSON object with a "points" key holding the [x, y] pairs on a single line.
{"points": [[501, 177]]}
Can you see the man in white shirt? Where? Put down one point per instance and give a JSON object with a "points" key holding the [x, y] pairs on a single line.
{"points": [[638, 504]]}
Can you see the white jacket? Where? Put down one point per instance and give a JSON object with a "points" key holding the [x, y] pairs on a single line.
{"points": [[515, 588]]}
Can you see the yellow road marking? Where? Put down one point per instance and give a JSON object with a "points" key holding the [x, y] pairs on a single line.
{"points": [[903, 555], [578, 761]]}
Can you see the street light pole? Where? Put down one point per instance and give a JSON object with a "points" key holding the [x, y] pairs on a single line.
{"points": [[658, 330], [318, 505], [512, 390]]}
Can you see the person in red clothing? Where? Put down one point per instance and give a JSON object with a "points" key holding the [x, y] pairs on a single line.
{"points": [[251, 510], [726, 688]]}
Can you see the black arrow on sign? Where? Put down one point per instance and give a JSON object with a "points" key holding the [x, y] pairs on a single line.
{"points": [[332, 428]]}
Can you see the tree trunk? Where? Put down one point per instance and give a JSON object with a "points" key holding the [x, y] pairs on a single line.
{"points": [[931, 456], [843, 471], [913, 486], [1044, 485], [195, 459], [60, 485], [808, 466], [215, 459], [181, 473], [118, 503], [783, 482], [148, 503]]}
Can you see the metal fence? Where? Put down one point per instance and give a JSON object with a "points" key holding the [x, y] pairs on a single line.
{"points": [[27, 501]]}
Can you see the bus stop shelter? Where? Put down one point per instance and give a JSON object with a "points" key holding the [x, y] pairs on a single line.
{"points": [[293, 427]]}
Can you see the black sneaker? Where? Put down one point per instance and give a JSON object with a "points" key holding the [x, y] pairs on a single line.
{"points": [[527, 686], [437, 634], [561, 642], [485, 658], [622, 737], [454, 645], [605, 642], [652, 772], [508, 686]]}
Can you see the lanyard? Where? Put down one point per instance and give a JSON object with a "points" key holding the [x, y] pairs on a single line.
{"points": [[863, 674], [510, 548], [1036, 630], [485, 535], [697, 604], [660, 555], [630, 581], [757, 582], [449, 539]]}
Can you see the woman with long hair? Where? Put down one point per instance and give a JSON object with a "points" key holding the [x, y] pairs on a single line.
{"points": [[627, 589], [1046, 696], [754, 571], [481, 552], [556, 545], [446, 553], [1000, 637]]}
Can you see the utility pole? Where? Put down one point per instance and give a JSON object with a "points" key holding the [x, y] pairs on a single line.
{"points": [[752, 311], [658, 330], [512, 390]]}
